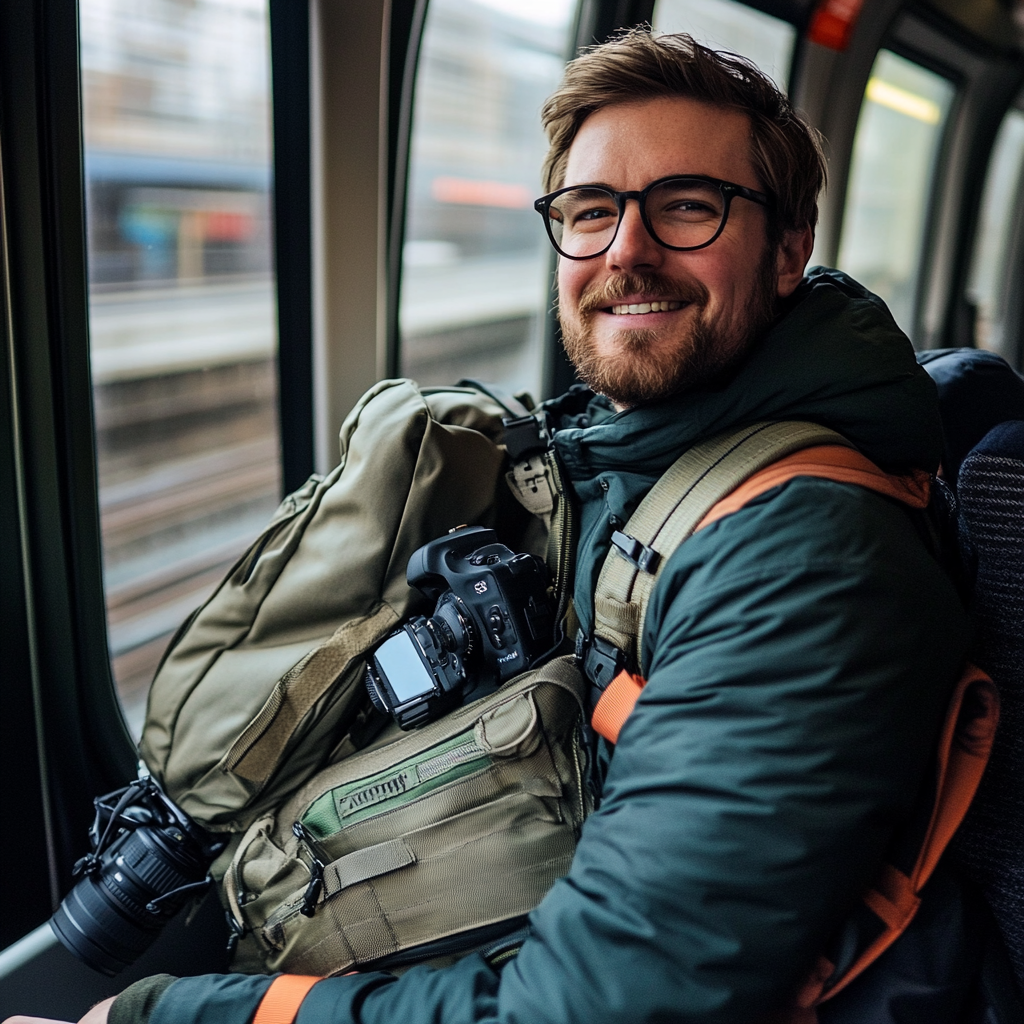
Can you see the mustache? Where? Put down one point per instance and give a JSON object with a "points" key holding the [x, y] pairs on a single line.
{"points": [[622, 286]]}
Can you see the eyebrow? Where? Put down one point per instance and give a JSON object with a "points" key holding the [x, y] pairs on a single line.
{"points": [[594, 184]]}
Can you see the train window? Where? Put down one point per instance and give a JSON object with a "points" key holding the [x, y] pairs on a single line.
{"points": [[476, 264], [895, 153], [182, 308], [727, 25], [988, 278]]}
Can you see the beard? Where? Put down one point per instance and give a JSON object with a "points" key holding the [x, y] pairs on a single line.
{"points": [[643, 368]]}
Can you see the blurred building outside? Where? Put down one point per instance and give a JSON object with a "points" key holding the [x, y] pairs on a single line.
{"points": [[477, 266]]}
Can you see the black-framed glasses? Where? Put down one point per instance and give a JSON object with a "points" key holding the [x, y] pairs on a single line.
{"points": [[681, 212]]}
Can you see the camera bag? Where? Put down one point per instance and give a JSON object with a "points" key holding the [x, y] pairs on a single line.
{"points": [[423, 845], [259, 722]]}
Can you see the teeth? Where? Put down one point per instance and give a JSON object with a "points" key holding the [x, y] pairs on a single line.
{"points": [[647, 307]]}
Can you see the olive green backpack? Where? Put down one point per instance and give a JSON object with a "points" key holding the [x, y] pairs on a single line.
{"points": [[263, 683], [346, 831]]}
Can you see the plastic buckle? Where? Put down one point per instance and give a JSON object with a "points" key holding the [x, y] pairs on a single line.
{"points": [[523, 436], [644, 558], [602, 661]]}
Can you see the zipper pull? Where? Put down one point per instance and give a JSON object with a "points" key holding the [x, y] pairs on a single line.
{"points": [[236, 931], [316, 870]]}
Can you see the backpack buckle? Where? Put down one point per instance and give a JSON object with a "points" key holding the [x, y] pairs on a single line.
{"points": [[524, 435], [600, 659], [645, 558]]}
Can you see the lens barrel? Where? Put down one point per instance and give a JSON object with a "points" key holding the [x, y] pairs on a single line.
{"points": [[130, 891]]}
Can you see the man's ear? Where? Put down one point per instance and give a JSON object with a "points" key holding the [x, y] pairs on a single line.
{"points": [[794, 252]]}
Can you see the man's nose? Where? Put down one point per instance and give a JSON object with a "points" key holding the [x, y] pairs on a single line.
{"points": [[633, 248]]}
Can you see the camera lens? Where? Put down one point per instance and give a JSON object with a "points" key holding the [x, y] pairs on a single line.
{"points": [[105, 920], [455, 624]]}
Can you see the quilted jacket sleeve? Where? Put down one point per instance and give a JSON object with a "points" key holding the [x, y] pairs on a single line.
{"points": [[803, 651]]}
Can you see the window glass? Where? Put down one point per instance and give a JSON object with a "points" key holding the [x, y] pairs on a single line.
{"points": [[727, 25], [891, 177], [476, 261], [182, 314], [999, 210]]}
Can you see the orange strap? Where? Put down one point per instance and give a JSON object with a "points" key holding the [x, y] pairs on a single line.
{"points": [[616, 704], [280, 1003], [829, 462], [964, 749]]}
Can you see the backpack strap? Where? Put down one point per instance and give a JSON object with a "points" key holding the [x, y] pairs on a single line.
{"points": [[829, 462], [892, 901], [537, 482], [673, 508], [624, 587], [535, 479], [280, 1003]]}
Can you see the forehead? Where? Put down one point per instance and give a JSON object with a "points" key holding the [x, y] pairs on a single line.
{"points": [[630, 144]]}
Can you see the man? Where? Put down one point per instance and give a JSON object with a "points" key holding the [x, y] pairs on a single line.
{"points": [[799, 653]]}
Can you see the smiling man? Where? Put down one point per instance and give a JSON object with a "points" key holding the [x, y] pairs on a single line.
{"points": [[799, 653], [672, 249], [665, 280]]}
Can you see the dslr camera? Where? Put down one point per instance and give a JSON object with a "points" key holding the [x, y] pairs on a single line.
{"points": [[493, 619]]}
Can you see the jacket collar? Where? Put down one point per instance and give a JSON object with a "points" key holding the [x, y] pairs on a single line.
{"points": [[835, 357]]}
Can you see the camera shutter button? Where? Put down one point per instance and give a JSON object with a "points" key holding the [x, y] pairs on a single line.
{"points": [[496, 622]]}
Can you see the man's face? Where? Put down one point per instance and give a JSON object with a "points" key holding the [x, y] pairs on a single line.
{"points": [[718, 298]]}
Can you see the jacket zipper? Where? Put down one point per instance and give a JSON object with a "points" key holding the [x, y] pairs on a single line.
{"points": [[566, 529]]}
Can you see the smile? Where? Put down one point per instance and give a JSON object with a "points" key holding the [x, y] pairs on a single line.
{"points": [[665, 306]]}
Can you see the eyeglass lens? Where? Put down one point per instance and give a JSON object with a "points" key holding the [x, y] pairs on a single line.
{"points": [[683, 212]]}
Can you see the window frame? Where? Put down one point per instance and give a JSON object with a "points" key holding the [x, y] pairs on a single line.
{"points": [[1009, 314], [76, 743], [986, 84], [938, 179], [293, 230]]}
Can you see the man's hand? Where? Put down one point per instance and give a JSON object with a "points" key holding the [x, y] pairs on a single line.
{"points": [[97, 1015]]}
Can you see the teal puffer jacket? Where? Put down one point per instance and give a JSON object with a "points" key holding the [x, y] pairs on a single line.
{"points": [[800, 653]]}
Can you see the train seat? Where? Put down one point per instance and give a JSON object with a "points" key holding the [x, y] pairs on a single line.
{"points": [[990, 844], [977, 391]]}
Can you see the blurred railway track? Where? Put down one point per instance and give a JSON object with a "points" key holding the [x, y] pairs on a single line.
{"points": [[168, 540]]}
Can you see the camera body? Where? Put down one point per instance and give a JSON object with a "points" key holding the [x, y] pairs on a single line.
{"points": [[148, 859], [493, 619]]}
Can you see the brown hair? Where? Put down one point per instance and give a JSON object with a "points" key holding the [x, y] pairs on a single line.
{"points": [[636, 65]]}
